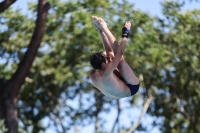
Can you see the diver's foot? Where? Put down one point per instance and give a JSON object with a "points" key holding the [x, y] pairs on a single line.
{"points": [[94, 20], [99, 22]]}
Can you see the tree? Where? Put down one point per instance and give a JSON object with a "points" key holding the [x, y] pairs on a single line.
{"points": [[171, 68], [55, 74], [68, 22], [5, 4], [166, 51], [59, 73], [9, 90], [181, 78]]}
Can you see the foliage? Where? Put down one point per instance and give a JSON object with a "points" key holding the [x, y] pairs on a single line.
{"points": [[164, 52], [60, 71], [181, 75], [2, 127], [169, 62]]}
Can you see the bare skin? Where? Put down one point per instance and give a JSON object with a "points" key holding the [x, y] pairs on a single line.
{"points": [[113, 84], [108, 41]]}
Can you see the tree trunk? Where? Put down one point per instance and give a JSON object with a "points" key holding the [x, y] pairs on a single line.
{"points": [[97, 125], [98, 104], [117, 119], [5, 4], [9, 90], [144, 110], [8, 109]]}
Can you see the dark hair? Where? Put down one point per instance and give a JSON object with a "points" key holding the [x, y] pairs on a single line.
{"points": [[96, 59]]}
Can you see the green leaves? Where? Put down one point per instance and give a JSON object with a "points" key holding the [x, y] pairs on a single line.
{"points": [[2, 127], [180, 48], [164, 51]]}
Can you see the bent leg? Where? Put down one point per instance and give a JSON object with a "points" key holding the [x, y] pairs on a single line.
{"points": [[108, 39], [127, 73]]}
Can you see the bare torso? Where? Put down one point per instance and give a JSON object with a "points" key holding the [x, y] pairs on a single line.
{"points": [[110, 85]]}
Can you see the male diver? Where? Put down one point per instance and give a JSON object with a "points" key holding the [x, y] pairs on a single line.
{"points": [[111, 74]]}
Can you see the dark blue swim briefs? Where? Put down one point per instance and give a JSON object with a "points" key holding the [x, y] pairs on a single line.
{"points": [[133, 88]]}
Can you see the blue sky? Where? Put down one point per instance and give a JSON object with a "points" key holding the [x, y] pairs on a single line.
{"points": [[152, 7]]}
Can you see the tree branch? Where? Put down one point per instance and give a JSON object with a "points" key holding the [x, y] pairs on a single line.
{"points": [[60, 120], [98, 105], [97, 125], [144, 110], [24, 66], [118, 114], [53, 119], [5, 4], [181, 108]]}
